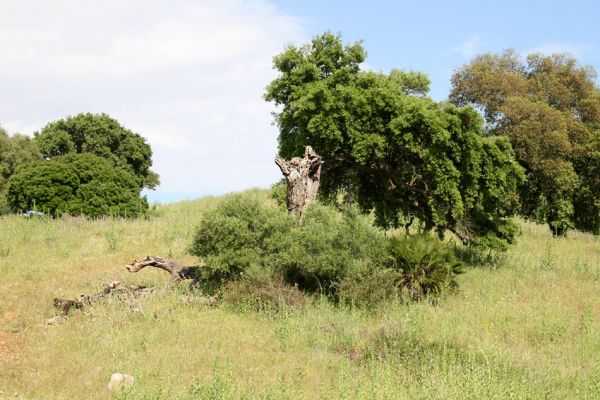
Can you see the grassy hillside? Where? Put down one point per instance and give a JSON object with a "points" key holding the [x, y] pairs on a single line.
{"points": [[528, 329]]}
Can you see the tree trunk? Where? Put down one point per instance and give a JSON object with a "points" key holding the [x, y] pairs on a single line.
{"points": [[178, 272], [302, 176], [65, 305]]}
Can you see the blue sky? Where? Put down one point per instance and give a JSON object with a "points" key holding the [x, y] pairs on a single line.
{"points": [[189, 75], [438, 36]]}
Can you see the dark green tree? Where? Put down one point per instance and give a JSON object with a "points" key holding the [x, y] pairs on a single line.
{"points": [[14, 151], [103, 136], [76, 184], [390, 147], [549, 108]]}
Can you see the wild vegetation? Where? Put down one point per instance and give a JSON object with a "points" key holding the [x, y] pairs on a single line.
{"points": [[76, 184], [15, 150], [85, 165], [549, 108], [390, 147], [524, 327], [361, 294]]}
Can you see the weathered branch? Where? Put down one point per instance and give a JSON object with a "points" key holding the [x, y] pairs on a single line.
{"points": [[85, 300], [178, 272], [283, 166]]}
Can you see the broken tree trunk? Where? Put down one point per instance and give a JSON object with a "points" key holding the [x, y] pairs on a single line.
{"points": [[65, 306], [303, 177], [178, 272]]}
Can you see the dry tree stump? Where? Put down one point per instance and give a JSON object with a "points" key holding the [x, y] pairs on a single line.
{"points": [[303, 177]]}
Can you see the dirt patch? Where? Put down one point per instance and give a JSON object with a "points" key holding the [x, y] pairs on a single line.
{"points": [[11, 348]]}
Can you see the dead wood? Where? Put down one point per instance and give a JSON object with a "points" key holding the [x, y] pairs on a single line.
{"points": [[303, 176], [114, 288], [178, 272]]}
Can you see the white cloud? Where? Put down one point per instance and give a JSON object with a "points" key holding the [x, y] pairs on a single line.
{"points": [[188, 75], [469, 47], [577, 50]]}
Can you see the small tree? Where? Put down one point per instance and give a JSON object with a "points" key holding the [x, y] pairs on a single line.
{"points": [[393, 149]]}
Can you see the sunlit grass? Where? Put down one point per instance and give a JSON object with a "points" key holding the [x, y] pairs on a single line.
{"points": [[527, 329]]}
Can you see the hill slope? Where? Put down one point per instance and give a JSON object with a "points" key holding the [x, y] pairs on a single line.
{"points": [[525, 330]]}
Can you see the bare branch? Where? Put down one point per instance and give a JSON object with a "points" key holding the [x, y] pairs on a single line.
{"points": [[178, 272]]}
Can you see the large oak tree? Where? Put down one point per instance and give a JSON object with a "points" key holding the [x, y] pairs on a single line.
{"points": [[103, 136], [76, 184], [549, 108], [390, 147], [15, 151]]}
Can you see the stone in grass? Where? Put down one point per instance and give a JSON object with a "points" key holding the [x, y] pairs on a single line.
{"points": [[120, 381], [54, 320]]}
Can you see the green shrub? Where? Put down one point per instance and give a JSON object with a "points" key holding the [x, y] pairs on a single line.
{"points": [[244, 232], [279, 193], [331, 246], [425, 265], [475, 256], [241, 231], [368, 288], [262, 289], [76, 184], [259, 256], [4, 207]]}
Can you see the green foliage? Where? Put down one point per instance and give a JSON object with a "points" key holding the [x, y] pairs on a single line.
{"points": [[14, 151], [260, 257], [368, 288], [279, 193], [262, 289], [394, 150], [103, 136], [424, 265], [549, 108], [330, 247], [240, 232], [76, 184], [243, 233]]}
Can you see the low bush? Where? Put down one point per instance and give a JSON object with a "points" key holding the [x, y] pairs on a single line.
{"points": [[329, 247], [368, 288], [425, 265], [241, 231], [262, 289], [279, 193], [259, 256]]}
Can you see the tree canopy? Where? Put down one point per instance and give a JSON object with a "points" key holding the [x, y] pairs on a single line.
{"points": [[103, 136], [549, 108], [76, 184], [14, 151], [390, 147]]}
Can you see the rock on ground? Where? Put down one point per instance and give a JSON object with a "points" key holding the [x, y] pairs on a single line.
{"points": [[119, 381]]}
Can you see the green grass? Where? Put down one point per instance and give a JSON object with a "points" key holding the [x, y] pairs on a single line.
{"points": [[526, 330]]}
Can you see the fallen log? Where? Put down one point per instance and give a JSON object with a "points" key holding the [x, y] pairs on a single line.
{"points": [[85, 300], [178, 272]]}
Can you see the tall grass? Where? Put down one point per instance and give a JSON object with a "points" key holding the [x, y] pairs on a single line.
{"points": [[525, 330]]}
